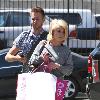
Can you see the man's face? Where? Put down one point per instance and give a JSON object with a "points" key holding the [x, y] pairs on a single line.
{"points": [[37, 20]]}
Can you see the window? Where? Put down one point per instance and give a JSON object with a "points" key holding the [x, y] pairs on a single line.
{"points": [[19, 19], [14, 19], [71, 18], [98, 19], [3, 18]]}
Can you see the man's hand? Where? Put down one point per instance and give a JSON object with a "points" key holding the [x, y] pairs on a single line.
{"points": [[20, 59]]}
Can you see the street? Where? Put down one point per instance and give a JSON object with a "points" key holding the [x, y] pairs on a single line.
{"points": [[80, 96]]}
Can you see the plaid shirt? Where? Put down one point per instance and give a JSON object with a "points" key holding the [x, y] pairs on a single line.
{"points": [[24, 41]]}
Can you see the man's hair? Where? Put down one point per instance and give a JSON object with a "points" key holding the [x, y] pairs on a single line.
{"points": [[38, 9]]}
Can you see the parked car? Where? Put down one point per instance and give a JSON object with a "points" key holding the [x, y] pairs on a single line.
{"points": [[93, 86], [86, 36], [10, 70], [14, 21], [93, 65]]}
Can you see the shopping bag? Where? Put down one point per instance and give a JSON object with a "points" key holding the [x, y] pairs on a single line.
{"points": [[61, 88], [40, 85], [36, 86]]}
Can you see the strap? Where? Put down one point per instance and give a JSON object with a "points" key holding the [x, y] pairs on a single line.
{"points": [[52, 53], [42, 37], [31, 69]]}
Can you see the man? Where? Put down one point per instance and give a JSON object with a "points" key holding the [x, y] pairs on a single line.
{"points": [[26, 42]]}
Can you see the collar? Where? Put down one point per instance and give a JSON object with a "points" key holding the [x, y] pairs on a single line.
{"points": [[32, 32]]}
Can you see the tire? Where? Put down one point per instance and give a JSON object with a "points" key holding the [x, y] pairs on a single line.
{"points": [[88, 91], [72, 89]]}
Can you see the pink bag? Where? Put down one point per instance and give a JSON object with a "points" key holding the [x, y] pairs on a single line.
{"points": [[42, 68], [29, 85], [61, 88]]}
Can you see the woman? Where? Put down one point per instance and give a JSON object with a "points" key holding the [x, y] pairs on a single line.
{"points": [[58, 55], [58, 59]]}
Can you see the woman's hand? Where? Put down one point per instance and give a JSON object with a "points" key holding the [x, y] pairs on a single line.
{"points": [[45, 57], [53, 65]]}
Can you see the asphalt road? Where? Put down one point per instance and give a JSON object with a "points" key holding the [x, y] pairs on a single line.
{"points": [[80, 96]]}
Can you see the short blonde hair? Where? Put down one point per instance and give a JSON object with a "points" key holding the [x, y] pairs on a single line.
{"points": [[56, 23]]}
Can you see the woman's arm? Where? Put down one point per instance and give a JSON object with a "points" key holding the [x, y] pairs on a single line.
{"points": [[67, 68]]}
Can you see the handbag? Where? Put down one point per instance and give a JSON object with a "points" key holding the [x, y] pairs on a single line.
{"points": [[28, 85]]}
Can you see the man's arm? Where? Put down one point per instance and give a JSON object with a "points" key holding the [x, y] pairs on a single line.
{"points": [[12, 55]]}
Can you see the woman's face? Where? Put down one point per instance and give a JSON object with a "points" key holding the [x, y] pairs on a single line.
{"points": [[59, 34]]}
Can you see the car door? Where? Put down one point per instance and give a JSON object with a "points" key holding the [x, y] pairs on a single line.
{"points": [[8, 75]]}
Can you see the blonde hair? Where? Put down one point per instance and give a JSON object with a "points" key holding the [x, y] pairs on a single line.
{"points": [[56, 23]]}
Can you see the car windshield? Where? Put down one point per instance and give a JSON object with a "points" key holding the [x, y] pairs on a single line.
{"points": [[14, 19], [71, 18]]}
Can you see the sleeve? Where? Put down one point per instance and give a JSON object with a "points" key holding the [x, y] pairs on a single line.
{"points": [[19, 40], [35, 59], [67, 68]]}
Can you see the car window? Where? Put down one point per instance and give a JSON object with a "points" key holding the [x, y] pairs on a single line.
{"points": [[18, 19], [98, 19], [3, 18], [71, 18]]}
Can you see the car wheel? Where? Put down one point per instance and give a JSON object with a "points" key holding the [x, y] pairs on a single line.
{"points": [[88, 91], [72, 89]]}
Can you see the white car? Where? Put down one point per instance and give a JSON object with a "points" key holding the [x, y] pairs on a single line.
{"points": [[13, 22], [86, 35]]}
